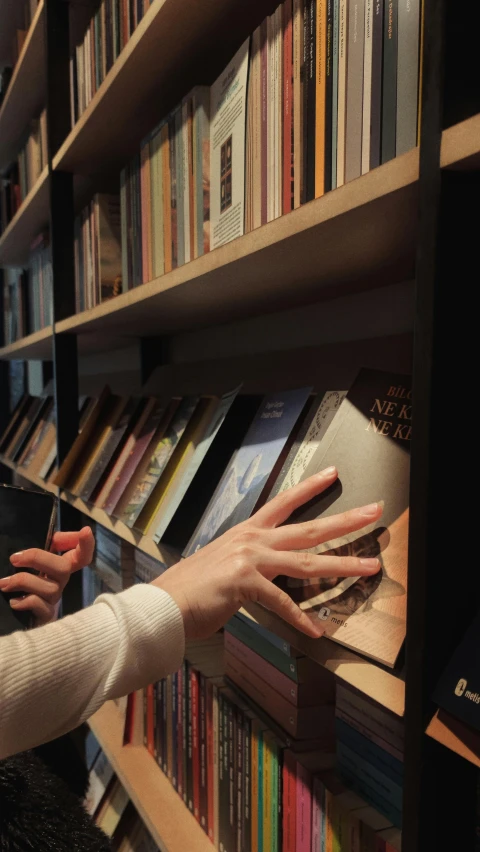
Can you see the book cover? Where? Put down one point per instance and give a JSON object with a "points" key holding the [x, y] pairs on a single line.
{"points": [[242, 483], [81, 445], [31, 447], [115, 434], [15, 420], [407, 75], [389, 83], [81, 483], [158, 460], [26, 424], [217, 414], [369, 442], [354, 105], [458, 691], [376, 84], [130, 455], [228, 103]]}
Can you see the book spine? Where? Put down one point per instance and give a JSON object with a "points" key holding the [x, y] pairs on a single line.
{"points": [[276, 798], [231, 777], [247, 781], [169, 727], [304, 809], [376, 86], [255, 733], [370, 751], [159, 742], [342, 89], [407, 75], [174, 733], [297, 100], [289, 802], [318, 799], [210, 761], [190, 773], [216, 766], [311, 99], [335, 44], [185, 720], [264, 119], [248, 659], [195, 743], [180, 187], [203, 798], [288, 186], [329, 71], [267, 790], [368, 781], [367, 85], [287, 665], [320, 95], [223, 773], [277, 641], [389, 90], [354, 110], [173, 192], [370, 734], [239, 772], [167, 194]]}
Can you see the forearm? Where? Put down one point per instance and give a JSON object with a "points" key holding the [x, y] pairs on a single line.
{"points": [[55, 677]]}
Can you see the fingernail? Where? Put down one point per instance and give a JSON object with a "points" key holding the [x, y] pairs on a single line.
{"points": [[13, 603], [4, 582], [16, 557], [370, 564], [370, 510], [329, 471]]}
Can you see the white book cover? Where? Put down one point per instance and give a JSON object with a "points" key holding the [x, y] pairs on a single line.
{"points": [[367, 86], [186, 130], [228, 106]]}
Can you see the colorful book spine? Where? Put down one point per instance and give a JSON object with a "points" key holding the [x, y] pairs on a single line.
{"points": [[389, 83]]}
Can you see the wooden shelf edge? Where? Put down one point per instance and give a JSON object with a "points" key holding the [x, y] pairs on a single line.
{"points": [[22, 213], [35, 31], [169, 821], [375, 186], [460, 147], [454, 735], [367, 677], [39, 343]]}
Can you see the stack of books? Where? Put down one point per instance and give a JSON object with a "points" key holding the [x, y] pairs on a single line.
{"points": [[40, 284], [105, 37], [22, 175], [15, 305], [98, 252], [370, 751]]}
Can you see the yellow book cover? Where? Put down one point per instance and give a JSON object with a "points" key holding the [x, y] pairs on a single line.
{"points": [[320, 96], [177, 466], [113, 808]]}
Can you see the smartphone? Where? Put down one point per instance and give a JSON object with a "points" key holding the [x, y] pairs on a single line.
{"points": [[27, 519]]}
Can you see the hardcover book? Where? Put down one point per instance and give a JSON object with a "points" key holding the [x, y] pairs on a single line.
{"points": [[458, 691], [369, 443], [244, 479]]}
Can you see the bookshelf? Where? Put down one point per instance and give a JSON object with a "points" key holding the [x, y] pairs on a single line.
{"points": [[407, 219], [169, 821], [26, 90]]}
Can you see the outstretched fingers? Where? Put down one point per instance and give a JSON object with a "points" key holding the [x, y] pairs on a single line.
{"points": [[278, 510], [312, 533], [305, 565], [277, 601]]}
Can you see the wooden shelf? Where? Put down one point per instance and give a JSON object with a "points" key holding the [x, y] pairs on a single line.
{"points": [[37, 346], [26, 92], [11, 15], [176, 41], [27, 223], [456, 736], [460, 147], [374, 682], [260, 271], [169, 821]]}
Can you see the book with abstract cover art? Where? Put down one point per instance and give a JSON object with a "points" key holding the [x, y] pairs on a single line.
{"points": [[159, 459], [244, 479], [369, 443]]}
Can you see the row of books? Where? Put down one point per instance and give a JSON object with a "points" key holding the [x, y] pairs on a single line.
{"points": [[28, 294], [97, 252], [184, 469], [248, 783], [22, 175], [321, 93], [109, 805], [108, 31]]}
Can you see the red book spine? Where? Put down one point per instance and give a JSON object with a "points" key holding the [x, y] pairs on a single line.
{"points": [[129, 719], [210, 763], [287, 107], [180, 700], [289, 802], [144, 212], [304, 810], [195, 745], [264, 119], [150, 726]]}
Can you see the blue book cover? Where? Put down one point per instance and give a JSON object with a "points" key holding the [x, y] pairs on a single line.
{"points": [[279, 643], [369, 776], [253, 640], [246, 475], [369, 751]]}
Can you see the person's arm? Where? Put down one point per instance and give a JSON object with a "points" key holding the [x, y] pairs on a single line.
{"points": [[54, 677]]}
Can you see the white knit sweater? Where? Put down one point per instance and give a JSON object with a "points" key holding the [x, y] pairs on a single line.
{"points": [[55, 677]]}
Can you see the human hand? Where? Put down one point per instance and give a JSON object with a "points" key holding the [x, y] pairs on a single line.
{"points": [[42, 592], [239, 566]]}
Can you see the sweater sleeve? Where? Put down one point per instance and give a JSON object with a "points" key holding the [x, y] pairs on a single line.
{"points": [[55, 677]]}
